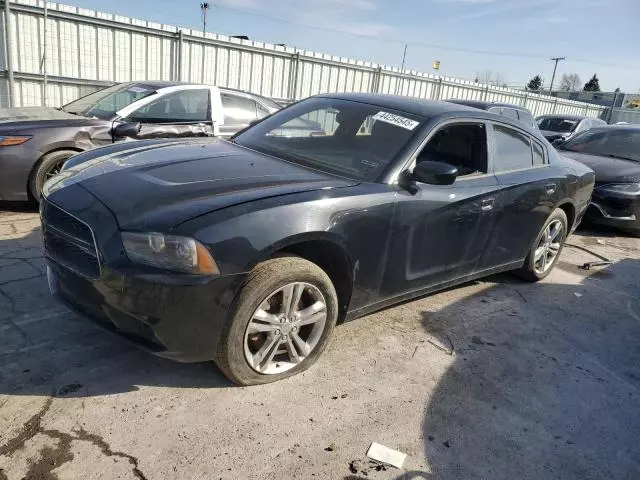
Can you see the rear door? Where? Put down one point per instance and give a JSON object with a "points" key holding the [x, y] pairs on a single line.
{"points": [[527, 196], [239, 111]]}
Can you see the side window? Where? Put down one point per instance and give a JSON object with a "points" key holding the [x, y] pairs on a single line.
{"points": [[238, 110], [526, 118], [510, 112], [513, 149], [180, 107], [462, 145], [538, 154], [584, 124]]}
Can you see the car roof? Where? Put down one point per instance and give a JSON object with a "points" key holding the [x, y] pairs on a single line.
{"points": [[484, 105], [563, 117], [416, 106], [604, 128]]}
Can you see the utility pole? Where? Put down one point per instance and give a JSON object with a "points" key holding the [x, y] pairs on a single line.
{"points": [[404, 57], [204, 8], [553, 77]]}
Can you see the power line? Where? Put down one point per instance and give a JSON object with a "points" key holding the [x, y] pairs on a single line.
{"points": [[256, 13]]}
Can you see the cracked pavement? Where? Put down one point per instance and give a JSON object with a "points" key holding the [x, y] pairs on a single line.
{"points": [[543, 382]]}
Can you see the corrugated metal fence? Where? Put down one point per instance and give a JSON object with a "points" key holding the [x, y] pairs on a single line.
{"points": [[87, 49]]}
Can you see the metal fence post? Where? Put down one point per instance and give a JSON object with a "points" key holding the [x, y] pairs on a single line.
{"points": [[293, 78], [439, 89], [7, 43], [555, 104], [524, 100], [178, 69], [485, 93], [375, 82]]}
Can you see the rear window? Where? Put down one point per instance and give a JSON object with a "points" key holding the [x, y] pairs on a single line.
{"points": [[611, 142], [560, 125]]}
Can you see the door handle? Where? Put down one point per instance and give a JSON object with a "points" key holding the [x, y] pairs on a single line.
{"points": [[551, 188], [487, 204]]}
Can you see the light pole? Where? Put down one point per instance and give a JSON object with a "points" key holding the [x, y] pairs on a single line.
{"points": [[204, 8], [553, 77]]}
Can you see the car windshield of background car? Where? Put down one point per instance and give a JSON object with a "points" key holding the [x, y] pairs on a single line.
{"points": [[345, 138], [560, 125], [624, 144], [106, 102]]}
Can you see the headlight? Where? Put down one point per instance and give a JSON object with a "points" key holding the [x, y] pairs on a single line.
{"points": [[7, 141], [171, 252], [631, 189]]}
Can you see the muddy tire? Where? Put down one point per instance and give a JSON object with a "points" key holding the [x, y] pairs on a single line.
{"points": [[47, 167], [279, 324], [546, 248]]}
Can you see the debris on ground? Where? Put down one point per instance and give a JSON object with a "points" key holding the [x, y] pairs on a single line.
{"points": [[331, 448], [579, 295], [445, 344], [386, 455]]}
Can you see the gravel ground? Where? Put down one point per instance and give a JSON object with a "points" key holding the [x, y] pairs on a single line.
{"points": [[496, 379]]}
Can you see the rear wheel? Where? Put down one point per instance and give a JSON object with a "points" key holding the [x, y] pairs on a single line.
{"points": [[48, 166], [546, 249], [281, 322]]}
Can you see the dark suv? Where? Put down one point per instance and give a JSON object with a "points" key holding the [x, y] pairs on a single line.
{"points": [[508, 110]]}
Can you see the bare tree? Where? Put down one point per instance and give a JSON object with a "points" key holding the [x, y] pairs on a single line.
{"points": [[570, 82], [490, 77]]}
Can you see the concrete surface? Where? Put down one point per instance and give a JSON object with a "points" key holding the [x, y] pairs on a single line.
{"points": [[543, 383]]}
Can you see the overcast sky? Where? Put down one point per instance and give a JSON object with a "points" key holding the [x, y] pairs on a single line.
{"points": [[515, 38]]}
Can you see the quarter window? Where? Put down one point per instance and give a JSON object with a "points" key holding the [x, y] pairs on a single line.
{"points": [[513, 149], [526, 118], [538, 154]]}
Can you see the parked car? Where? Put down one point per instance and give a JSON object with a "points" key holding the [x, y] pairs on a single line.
{"points": [[36, 142], [613, 152], [563, 127], [248, 251], [515, 112]]}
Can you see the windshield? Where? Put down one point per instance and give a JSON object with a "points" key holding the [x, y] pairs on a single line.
{"points": [[624, 143], [554, 124], [106, 102], [350, 139]]}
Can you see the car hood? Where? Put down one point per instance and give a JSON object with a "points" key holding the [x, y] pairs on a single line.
{"points": [[608, 170], [160, 185], [40, 117]]}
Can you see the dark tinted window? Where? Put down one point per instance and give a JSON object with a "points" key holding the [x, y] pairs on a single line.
{"points": [[180, 107], [613, 142], [555, 124], [526, 118], [538, 154], [513, 149], [238, 110], [462, 145]]}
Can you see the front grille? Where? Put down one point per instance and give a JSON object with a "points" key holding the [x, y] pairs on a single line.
{"points": [[69, 241]]}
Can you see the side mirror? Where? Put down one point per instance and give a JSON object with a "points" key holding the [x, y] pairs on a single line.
{"points": [[130, 129], [434, 173]]}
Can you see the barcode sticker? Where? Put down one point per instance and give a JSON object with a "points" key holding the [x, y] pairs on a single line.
{"points": [[396, 120]]}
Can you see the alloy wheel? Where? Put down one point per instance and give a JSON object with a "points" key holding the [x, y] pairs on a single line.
{"points": [[548, 247], [285, 328]]}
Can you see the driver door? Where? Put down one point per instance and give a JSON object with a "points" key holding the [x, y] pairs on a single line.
{"points": [[441, 231], [185, 113]]}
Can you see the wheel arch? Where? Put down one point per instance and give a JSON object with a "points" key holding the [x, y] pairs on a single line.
{"points": [[36, 165], [569, 208], [326, 251]]}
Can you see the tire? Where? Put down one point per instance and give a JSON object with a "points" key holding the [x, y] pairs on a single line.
{"points": [[47, 165], [530, 271], [239, 338]]}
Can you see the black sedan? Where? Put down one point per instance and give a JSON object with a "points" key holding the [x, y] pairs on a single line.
{"points": [[613, 152], [563, 127], [249, 251]]}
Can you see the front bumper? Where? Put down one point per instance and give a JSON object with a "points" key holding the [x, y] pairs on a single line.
{"points": [[621, 212], [178, 316], [175, 320]]}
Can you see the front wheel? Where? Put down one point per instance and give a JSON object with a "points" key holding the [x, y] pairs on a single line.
{"points": [[47, 167], [280, 324], [546, 249]]}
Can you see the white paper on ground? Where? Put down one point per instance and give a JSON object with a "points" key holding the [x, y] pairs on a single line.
{"points": [[386, 455]]}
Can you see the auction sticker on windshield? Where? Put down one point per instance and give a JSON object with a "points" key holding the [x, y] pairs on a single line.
{"points": [[396, 120]]}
